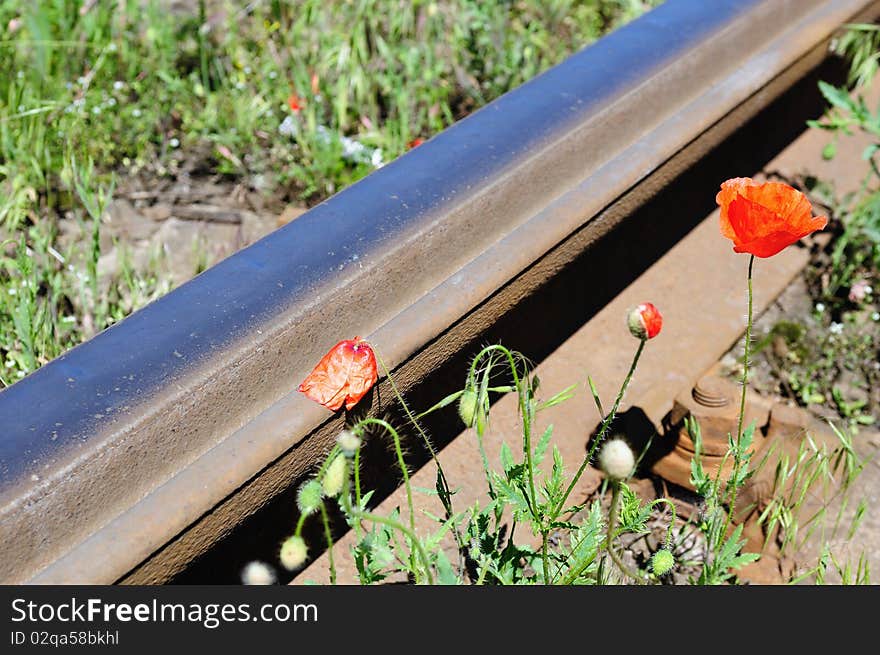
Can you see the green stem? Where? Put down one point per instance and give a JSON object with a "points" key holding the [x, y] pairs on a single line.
{"points": [[329, 537], [357, 477], [742, 405], [203, 51], [609, 536], [524, 412], [485, 461], [606, 424], [545, 557], [399, 451], [359, 515], [446, 494], [391, 523]]}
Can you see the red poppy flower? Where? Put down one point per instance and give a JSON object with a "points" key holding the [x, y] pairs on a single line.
{"points": [[763, 218], [295, 103], [343, 376], [645, 321], [415, 143]]}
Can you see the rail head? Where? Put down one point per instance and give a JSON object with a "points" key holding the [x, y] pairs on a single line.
{"points": [[118, 447]]}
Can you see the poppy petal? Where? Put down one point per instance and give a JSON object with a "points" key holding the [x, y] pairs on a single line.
{"points": [[343, 376], [763, 218]]}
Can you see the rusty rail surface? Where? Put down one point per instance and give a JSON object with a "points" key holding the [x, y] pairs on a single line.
{"points": [[132, 455]]}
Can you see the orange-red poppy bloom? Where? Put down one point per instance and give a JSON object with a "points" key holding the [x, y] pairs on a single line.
{"points": [[295, 103], [343, 376], [762, 218], [415, 143]]}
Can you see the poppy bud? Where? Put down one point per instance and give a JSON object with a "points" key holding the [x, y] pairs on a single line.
{"points": [[334, 477], [469, 410], [308, 499], [617, 460], [662, 562], [467, 407], [644, 321], [348, 442], [257, 573], [294, 553]]}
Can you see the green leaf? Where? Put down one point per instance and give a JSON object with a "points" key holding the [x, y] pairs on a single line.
{"points": [[632, 515], [512, 496], [445, 573], [451, 398], [560, 397], [507, 463], [541, 447], [836, 96]]}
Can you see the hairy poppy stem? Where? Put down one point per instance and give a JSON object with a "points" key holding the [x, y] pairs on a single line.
{"points": [[742, 405], [401, 462], [602, 430], [609, 536], [446, 496], [360, 515], [329, 537], [524, 412]]}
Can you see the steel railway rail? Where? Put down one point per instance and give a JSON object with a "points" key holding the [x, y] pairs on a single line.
{"points": [[140, 452]]}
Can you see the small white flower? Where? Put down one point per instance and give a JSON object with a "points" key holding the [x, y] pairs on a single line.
{"points": [[272, 75], [288, 126], [875, 316], [820, 307], [247, 70], [118, 85], [96, 110], [80, 80], [20, 75], [376, 158], [111, 47], [351, 149], [174, 142], [836, 328], [111, 102], [136, 112]]}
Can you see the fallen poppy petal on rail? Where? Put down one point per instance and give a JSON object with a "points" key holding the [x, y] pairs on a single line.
{"points": [[343, 376]]}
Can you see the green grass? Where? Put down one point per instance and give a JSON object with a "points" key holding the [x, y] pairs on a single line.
{"points": [[99, 92]]}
